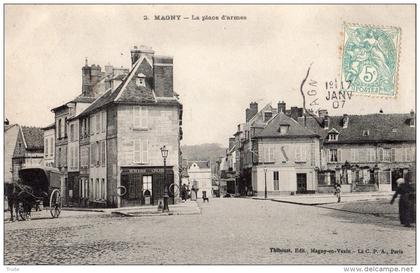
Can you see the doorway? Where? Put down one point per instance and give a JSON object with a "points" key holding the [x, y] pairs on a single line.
{"points": [[301, 183]]}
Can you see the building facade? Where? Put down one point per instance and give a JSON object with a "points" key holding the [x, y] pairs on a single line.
{"points": [[200, 178], [293, 152], [125, 129], [365, 152], [288, 155], [49, 145]]}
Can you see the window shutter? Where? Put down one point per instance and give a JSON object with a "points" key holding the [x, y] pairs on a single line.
{"points": [[76, 157], [381, 154], [393, 154], [103, 121], [297, 153], [103, 153], [339, 155], [137, 152], [144, 151]]}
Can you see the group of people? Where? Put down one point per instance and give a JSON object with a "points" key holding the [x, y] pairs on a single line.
{"points": [[186, 193]]}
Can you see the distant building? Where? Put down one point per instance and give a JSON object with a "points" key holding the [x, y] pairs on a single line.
{"points": [[200, 177], [29, 149]]}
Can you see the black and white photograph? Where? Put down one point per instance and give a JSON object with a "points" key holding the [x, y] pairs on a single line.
{"points": [[209, 134]]}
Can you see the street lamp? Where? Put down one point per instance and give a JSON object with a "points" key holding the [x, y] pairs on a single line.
{"points": [[164, 152], [265, 183]]}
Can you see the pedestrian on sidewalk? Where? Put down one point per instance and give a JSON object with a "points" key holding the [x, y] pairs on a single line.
{"points": [[404, 189], [337, 192]]}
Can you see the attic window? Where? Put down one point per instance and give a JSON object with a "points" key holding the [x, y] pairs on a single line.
{"points": [[140, 80], [332, 137], [284, 129], [365, 133], [267, 116], [394, 130]]}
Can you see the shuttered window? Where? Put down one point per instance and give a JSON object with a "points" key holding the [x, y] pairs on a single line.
{"points": [[140, 151]]}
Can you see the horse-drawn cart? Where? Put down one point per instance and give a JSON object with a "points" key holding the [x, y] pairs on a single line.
{"points": [[38, 187]]}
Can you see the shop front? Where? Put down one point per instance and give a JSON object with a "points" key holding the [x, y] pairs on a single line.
{"points": [[144, 185]]}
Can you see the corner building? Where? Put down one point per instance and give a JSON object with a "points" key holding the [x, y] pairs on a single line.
{"points": [[127, 127]]}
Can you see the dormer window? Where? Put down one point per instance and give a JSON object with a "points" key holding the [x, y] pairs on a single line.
{"points": [[345, 121], [394, 130], [333, 135], [284, 129], [365, 133], [267, 116], [140, 80]]}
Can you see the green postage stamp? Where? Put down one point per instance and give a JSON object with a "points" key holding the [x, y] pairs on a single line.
{"points": [[370, 59]]}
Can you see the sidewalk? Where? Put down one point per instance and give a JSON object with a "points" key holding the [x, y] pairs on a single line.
{"points": [[187, 208], [328, 198]]}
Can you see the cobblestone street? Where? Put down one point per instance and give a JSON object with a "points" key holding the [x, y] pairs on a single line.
{"points": [[228, 231]]}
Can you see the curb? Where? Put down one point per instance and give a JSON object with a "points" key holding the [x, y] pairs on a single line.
{"points": [[82, 209]]}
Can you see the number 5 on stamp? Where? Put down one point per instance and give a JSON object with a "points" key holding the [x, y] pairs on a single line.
{"points": [[370, 59]]}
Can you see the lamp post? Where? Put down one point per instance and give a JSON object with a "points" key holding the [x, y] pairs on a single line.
{"points": [[265, 183], [164, 152]]}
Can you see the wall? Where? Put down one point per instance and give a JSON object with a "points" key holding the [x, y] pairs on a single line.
{"points": [[287, 151], [98, 163], [10, 138], [73, 146], [49, 154], [160, 127]]}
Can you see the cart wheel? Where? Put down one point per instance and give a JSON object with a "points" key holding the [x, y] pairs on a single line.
{"points": [[55, 203], [22, 213]]}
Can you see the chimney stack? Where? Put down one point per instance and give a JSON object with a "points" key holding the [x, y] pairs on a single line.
{"points": [[326, 121], [251, 111], [322, 113], [137, 53], [296, 112], [163, 76], [281, 107]]}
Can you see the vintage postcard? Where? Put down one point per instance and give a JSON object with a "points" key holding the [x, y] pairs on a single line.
{"points": [[210, 135]]}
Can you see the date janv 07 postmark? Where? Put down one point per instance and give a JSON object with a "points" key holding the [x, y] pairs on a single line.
{"points": [[370, 59]]}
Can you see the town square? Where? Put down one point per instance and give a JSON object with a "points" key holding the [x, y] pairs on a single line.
{"points": [[167, 135]]}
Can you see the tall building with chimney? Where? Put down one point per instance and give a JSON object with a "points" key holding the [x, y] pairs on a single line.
{"points": [[122, 131]]}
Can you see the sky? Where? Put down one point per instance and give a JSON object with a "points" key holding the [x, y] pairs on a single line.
{"points": [[220, 66]]}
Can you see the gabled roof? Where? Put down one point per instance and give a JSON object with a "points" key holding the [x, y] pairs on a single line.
{"points": [[200, 164], [258, 119], [128, 93], [272, 130], [382, 128], [33, 138]]}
